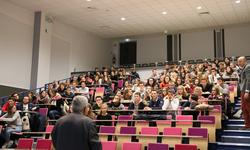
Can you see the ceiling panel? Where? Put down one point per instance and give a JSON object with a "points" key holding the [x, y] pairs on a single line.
{"points": [[102, 17]]}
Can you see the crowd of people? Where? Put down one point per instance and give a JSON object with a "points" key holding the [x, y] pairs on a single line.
{"points": [[188, 86]]}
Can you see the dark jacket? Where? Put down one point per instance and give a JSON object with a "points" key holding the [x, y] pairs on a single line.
{"points": [[244, 83], [75, 131], [156, 104], [19, 106], [140, 106], [207, 88]]}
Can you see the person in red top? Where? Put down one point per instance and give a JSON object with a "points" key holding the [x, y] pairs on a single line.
{"points": [[9, 103], [165, 83]]}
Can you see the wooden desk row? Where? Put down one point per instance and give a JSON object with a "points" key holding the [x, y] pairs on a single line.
{"points": [[171, 140]]}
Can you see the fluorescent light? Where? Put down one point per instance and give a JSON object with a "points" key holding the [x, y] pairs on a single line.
{"points": [[237, 1], [122, 18], [198, 7], [164, 13]]}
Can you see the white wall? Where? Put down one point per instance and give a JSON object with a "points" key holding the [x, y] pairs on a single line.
{"points": [[86, 51], [16, 38], [195, 45], [79, 49], [237, 40], [44, 56], [151, 48], [59, 60]]}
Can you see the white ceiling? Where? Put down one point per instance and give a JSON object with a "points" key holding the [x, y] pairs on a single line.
{"points": [[142, 16]]}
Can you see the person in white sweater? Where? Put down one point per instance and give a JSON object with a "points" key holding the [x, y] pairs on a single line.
{"points": [[170, 102], [13, 120]]}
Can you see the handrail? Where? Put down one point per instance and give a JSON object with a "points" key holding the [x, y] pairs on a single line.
{"points": [[156, 64]]}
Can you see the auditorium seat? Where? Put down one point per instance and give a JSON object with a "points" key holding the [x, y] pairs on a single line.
{"points": [[99, 91], [128, 130], [44, 144], [25, 143], [185, 147], [122, 123], [210, 126], [172, 140], [109, 145], [202, 143], [43, 111], [217, 112], [131, 146], [144, 140], [106, 129], [185, 124], [122, 139], [120, 84], [157, 146], [161, 124], [140, 124]]}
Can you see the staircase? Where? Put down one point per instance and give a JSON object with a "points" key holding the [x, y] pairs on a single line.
{"points": [[233, 138]]}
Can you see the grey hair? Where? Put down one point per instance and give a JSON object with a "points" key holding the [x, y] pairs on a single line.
{"points": [[78, 103]]}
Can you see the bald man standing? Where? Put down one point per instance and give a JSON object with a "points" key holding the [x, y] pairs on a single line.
{"points": [[245, 88]]}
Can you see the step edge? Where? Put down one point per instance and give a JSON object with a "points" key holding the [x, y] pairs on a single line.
{"points": [[234, 144]]}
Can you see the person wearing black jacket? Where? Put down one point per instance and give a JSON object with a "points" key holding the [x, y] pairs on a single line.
{"points": [[76, 131], [136, 105], [155, 102], [191, 104], [37, 122], [206, 87]]}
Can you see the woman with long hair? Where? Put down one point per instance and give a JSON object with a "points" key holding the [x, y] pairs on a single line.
{"points": [[103, 115], [14, 122], [88, 112]]}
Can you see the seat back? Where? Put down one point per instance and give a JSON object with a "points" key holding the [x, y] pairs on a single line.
{"points": [[131, 146], [120, 83], [217, 108], [185, 147], [49, 128], [43, 111], [91, 92], [157, 146], [149, 130], [184, 117], [44, 144], [163, 122], [113, 86], [124, 117], [198, 132], [208, 118], [172, 131], [128, 130], [109, 145], [99, 91], [25, 143], [107, 129]]}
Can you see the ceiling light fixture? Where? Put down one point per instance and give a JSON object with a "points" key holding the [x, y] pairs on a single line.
{"points": [[164, 13], [127, 40], [122, 18], [88, 0], [199, 7], [237, 1]]}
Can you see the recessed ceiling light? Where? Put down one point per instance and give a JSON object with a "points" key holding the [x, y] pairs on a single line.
{"points": [[127, 40], [164, 12], [122, 18], [198, 7], [237, 1], [88, 0]]}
